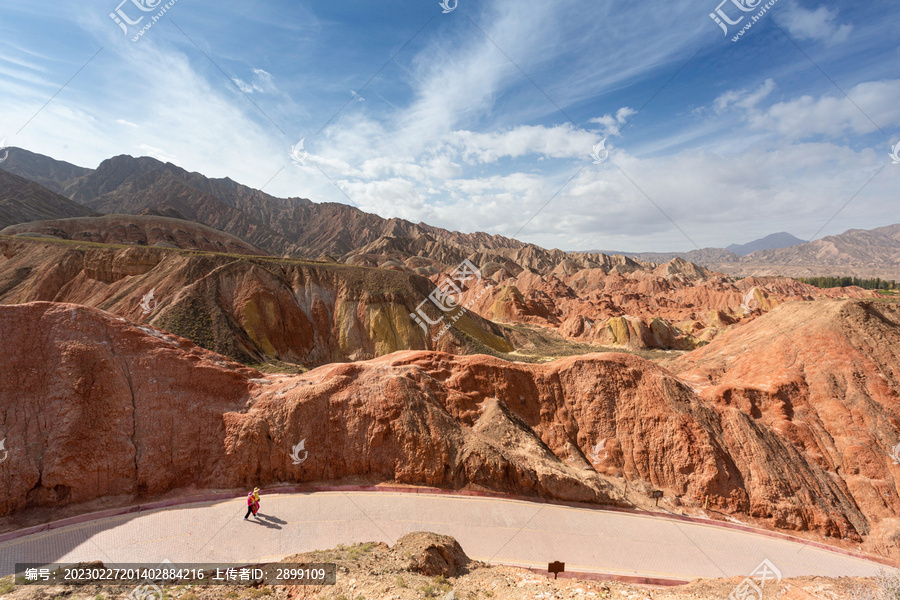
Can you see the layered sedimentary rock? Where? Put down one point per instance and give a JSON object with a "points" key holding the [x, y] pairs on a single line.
{"points": [[252, 309], [673, 306], [93, 406], [140, 230], [823, 378], [787, 420]]}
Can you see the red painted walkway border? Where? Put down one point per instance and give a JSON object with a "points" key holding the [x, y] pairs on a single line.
{"points": [[592, 576]]}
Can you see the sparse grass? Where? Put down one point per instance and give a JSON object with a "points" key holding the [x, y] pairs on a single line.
{"points": [[887, 587], [401, 582], [539, 344], [263, 591], [6, 584], [278, 367], [357, 550], [442, 584], [887, 296]]}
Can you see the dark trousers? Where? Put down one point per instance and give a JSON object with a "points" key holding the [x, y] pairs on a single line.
{"points": [[249, 510]]}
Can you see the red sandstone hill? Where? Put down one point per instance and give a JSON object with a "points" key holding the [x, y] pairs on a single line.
{"points": [[139, 230], [823, 378], [251, 308], [765, 429], [93, 406], [598, 300], [310, 313]]}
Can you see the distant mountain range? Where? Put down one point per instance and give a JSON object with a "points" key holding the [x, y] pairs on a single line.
{"points": [[717, 255], [294, 227], [856, 252], [770, 242], [36, 187], [698, 257]]}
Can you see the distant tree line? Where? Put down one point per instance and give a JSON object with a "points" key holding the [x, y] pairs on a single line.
{"points": [[866, 284]]}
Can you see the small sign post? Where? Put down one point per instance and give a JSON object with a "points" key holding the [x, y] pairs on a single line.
{"points": [[657, 494], [556, 568]]}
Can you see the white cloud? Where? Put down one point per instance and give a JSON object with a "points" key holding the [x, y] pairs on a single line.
{"points": [[870, 106], [262, 82], [745, 99], [157, 153], [247, 89], [31, 66], [835, 115], [624, 113], [563, 141], [467, 142], [611, 124], [766, 189], [25, 75], [777, 185], [819, 24]]}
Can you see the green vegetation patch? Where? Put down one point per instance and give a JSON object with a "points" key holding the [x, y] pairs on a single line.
{"points": [[835, 282]]}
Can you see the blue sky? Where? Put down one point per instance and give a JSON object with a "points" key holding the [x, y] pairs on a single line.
{"points": [[484, 118]]}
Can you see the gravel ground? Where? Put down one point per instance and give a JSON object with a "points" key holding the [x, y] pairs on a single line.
{"points": [[422, 565]]}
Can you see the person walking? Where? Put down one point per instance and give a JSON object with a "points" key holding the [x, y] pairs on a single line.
{"points": [[252, 503]]}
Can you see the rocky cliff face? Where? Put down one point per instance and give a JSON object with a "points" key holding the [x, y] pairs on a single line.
{"points": [[93, 406], [823, 379], [764, 426], [252, 309]]}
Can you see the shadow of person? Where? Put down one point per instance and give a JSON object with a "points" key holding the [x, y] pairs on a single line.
{"points": [[272, 519], [260, 521]]}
